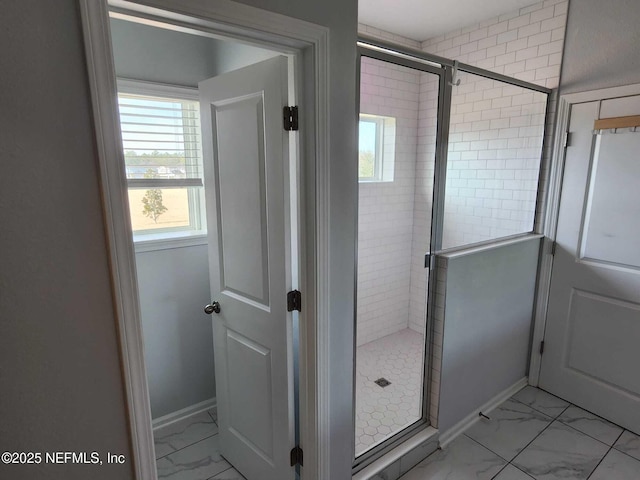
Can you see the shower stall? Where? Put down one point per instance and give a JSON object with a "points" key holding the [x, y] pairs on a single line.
{"points": [[397, 149], [449, 156]]}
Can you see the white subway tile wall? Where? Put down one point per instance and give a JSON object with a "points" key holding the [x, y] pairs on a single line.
{"points": [[385, 218], [525, 44], [386, 239], [495, 129], [437, 339], [474, 51], [423, 199], [495, 146]]}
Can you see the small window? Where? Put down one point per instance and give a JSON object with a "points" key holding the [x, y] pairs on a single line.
{"points": [[376, 150], [163, 160]]}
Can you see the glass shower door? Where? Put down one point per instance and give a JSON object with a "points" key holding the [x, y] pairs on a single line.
{"points": [[398, 144]]}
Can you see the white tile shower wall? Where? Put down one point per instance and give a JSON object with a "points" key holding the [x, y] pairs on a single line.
{"points": [[437, 339], [534, 33], [492, 186], [385, 218], [427, 102], [495, 145], [473, 45], [423, 198], [526, 43]]}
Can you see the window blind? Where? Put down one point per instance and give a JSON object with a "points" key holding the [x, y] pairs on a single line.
{"points": [[161, 141]]}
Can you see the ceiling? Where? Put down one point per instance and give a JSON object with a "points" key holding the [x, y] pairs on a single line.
{"points": [[424, 19]]}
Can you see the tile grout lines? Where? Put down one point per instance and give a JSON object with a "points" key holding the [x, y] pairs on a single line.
{"points": [[554, 419], [612, 446], [620, 451], [580, 431], [509, 462], [608, 451], [220, 473], [214, 420], [187, 446], [197, 441]]}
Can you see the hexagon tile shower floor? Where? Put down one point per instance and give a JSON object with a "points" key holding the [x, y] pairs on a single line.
{"points": [[383, 411]]}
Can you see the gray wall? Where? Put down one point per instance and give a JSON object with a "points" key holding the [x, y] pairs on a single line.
{"points": [[174, 287], [488, 315], [60, 373], [174, 283], [153, 54], [231, 56], [149, 53], [601, 46]]}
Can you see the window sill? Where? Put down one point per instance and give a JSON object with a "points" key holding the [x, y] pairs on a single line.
{"points": [[164, 241]]}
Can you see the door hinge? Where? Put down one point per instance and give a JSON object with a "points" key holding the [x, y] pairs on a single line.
{"points": [[553, 249], [290, 116], [429, 261], [294, 301], [296, 456], [567, 139], [541, 347]]}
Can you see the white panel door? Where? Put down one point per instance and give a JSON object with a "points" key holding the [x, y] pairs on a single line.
{"points": [[592, 337], [246, 158]]}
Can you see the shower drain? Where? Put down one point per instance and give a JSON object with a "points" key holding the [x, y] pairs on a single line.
{"points": [[383, 382]]}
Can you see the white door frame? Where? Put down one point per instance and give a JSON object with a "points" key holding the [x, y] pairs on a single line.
{"points": [[553, 208], [310, 45]]}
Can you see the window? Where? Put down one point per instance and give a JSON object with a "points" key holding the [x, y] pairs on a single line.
{"points": [[376, 150], [163, 160]]}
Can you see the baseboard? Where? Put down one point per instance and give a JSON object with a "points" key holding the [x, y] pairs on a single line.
{"points": [[447, 437], [184, 413]]}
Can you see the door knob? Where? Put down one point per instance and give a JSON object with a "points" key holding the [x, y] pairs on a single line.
{"points": [[212, 307]]}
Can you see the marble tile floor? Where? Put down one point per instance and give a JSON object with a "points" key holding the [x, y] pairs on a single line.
{"points": [[535, 435], [382, 412], [189, 450]]}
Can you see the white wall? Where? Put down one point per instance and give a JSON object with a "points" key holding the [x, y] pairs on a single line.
{"points": [[423, 198], [60, 371], [496, 133], [405, 227], [495, 145], [496, 129], [385, 215], [525, 44]]}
